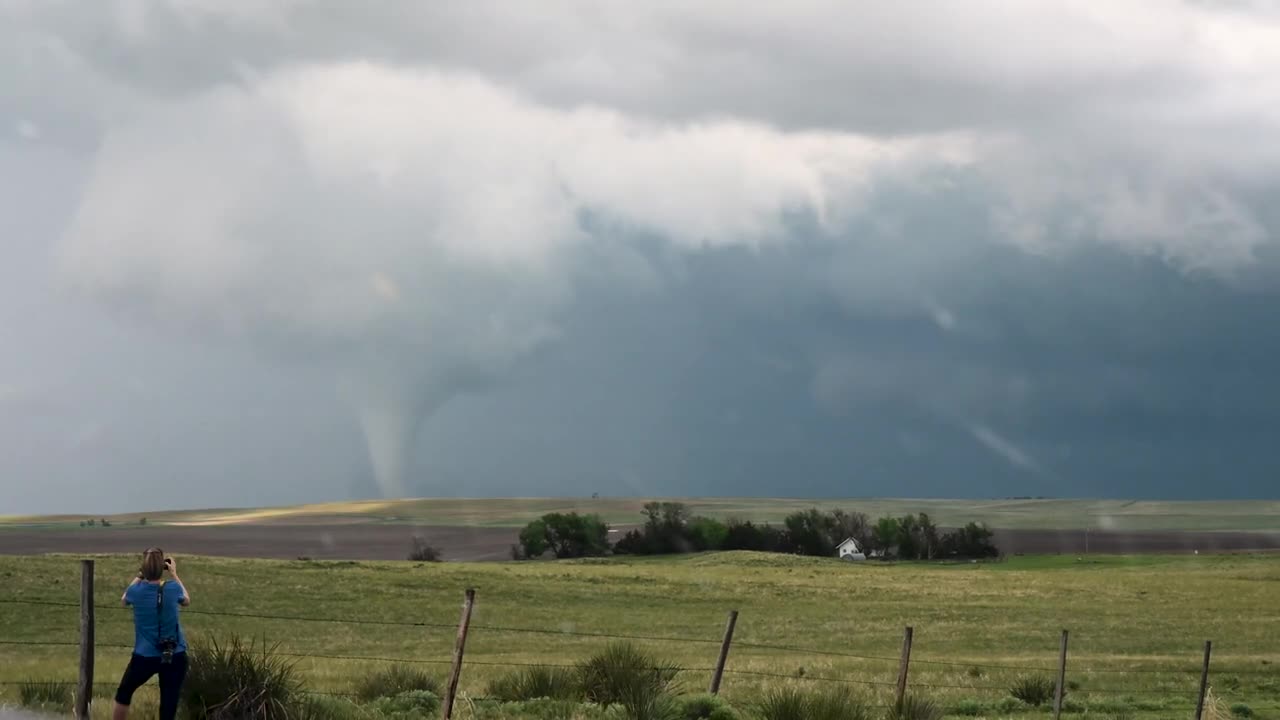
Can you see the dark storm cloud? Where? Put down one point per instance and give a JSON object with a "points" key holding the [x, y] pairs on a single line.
{"points": [[960, 249]]}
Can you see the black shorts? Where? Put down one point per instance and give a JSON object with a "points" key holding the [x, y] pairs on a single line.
{"points": [[140, 671]]}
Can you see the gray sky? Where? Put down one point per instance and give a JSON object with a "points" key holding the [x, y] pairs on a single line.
{"points": [[813, 248]]}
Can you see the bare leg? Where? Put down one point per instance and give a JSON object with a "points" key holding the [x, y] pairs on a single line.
{"points": [[120, 712]]}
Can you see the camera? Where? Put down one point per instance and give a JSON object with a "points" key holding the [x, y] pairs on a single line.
{"points": [[167, 648]]}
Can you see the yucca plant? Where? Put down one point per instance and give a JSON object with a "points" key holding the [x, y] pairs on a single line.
{"points": [[1035, 690], [837, 703], [622, 673], [394, 680], [536, 682], [45, 693], [783, 703], [233, 679]]}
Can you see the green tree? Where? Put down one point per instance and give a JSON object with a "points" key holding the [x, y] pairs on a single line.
{"points": [[810, 532], [707, 533], [886, 533], [533, 539], [571, 535], [845, 524]]}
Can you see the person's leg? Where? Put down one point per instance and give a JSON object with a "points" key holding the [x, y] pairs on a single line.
{"points": [[139, 671], [171, 677]]}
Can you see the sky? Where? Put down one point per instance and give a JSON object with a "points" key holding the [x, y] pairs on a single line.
{"points": [[261, 253]]}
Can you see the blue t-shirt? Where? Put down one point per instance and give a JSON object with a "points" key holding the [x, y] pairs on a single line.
{"points": [[146, 633]]}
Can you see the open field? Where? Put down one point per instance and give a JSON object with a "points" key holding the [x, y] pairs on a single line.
{"points": [[1137, 623], [1127, 515], [391, 541]]}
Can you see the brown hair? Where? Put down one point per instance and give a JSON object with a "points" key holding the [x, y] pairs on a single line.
{"points": [[152, 564]]}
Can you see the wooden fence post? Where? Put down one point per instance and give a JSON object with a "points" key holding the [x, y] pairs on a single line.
{"points": [[1062, 678], [724, 652], [451, 690], [1204, 679], [904, 665], [84, 689]]}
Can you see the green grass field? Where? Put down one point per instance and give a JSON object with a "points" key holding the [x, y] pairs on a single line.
{"points": [[1125, 614], [508, 512]]}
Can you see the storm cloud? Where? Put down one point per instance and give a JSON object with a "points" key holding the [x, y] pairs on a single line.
{"points": [[827, 249]]}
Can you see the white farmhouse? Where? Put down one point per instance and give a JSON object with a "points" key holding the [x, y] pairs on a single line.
{"points": [[849, 550]]}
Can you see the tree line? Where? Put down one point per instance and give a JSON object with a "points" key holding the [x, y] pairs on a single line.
{"points": [[670, 528]]}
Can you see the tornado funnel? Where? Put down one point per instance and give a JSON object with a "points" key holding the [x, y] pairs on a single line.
{"points": [[391, 411]]}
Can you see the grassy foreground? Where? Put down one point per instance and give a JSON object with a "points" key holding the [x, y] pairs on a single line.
{"points": [[514, 512], [1125, 614]]}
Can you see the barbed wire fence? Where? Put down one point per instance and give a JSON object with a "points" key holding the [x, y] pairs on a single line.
{"points": [[897, 687]]}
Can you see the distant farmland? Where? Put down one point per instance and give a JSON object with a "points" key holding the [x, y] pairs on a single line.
{"points": [[1129, 515]]}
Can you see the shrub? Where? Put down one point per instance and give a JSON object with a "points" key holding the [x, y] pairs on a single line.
{"points": [[914, 708], [319, 707], [645, 705], [974, 672], [1073, 685], [706, 707], [423, 551], [408, 705], [746, 535], [1008, 706], [1241, 710], [534, 683], [541, 709], [1035, 690], [789, 703], [235, 680], [623, 674], [971, 541], [49, 694], [394, 680], [837, 704], [105, 523], [968, 708], [142, 521]]}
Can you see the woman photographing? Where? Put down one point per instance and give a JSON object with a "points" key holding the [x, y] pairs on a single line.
{"points": [[159, 647]]}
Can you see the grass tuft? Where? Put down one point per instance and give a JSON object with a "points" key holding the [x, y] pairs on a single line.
{"points": [[536, 682], [394, 680], [914, 708]]}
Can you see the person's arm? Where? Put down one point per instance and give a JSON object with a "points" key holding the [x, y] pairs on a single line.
{"points": [[185, 600], [124, 599]]}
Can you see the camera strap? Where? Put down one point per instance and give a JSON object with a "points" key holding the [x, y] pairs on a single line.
{"points": [[159, 614]]}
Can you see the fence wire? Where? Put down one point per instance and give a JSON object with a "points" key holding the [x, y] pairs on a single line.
{"points": [[728, 671]]}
